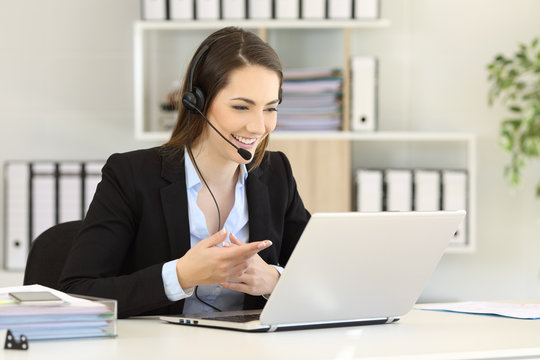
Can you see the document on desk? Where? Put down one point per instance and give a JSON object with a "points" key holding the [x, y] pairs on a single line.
{"points": [[517, 311], [74, 317]]}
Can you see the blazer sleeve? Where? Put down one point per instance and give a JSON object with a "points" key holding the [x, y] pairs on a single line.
{"points": [[99, 260]]}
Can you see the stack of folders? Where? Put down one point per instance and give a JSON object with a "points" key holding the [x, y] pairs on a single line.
{"points": [[72, 317], [311, 100], [413, 189]]}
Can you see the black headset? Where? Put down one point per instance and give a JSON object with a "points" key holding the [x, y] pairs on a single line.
{"points": [[193, 99]]}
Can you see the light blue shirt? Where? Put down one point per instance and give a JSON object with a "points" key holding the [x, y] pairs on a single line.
{"points": [[236, 223]]}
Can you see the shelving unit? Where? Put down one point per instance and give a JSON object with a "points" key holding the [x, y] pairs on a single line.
{"points": [[144, 29], [323, 162]]}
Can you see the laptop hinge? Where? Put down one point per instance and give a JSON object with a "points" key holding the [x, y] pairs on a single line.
{"points": [[272, 328]]}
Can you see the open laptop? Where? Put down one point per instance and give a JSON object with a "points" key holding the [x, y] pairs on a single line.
{"points": [[348, 269]]}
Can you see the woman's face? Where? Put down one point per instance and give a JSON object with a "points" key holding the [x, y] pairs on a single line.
{"points": [[244, 111]]}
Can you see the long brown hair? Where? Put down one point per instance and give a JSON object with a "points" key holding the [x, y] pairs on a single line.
{"points": [[229, 49]]}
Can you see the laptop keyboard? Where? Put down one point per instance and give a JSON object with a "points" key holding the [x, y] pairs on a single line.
{"points": [[236, 318]]}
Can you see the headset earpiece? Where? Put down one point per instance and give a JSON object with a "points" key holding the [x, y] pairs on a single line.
{"points": [[193, 100]]}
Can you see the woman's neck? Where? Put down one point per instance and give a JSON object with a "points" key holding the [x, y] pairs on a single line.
{"points": [[217, 171]]}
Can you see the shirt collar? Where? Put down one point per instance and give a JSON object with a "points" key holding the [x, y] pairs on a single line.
{"points": [[192, 179]]}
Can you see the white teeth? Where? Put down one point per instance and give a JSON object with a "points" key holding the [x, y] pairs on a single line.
{"points": [[244, 140]]}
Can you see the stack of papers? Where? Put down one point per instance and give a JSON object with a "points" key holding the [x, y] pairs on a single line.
{"points": [[311, 100], [75, 317]]}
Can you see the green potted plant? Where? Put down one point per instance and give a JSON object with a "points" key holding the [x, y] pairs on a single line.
{"points": [[515, 82]]}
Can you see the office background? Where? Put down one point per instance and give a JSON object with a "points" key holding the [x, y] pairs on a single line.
{"points": [[66, 92]]}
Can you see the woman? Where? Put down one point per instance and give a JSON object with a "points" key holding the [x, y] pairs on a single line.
{"points": [[196, 225]]}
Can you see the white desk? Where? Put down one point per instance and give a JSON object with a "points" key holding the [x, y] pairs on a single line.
{"points": [[418, 335]]}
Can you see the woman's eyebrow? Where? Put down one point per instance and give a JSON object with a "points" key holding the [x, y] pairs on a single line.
{"points": [[249, 101]]}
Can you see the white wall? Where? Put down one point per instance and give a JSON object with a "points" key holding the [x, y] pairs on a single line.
{"points": [[66, 80], [449, 44], [66, 90]]}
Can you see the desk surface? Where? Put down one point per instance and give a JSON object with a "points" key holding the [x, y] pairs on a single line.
{"points": [[418, 335]]}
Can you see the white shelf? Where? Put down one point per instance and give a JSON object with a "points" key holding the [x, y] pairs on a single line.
{"points": [[267, 24], [373, 136], [153, 135]]}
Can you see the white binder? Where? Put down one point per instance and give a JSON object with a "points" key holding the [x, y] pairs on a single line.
{"points": [[260, 9], [233, 9], [43, 193], [340, 9], [427, 190], [91, 181], [69, 192], [154, 9], [398, 190], [181, 9], [313, 9], [207, 9], [364, 93], [287, 9], [366, 9], [369, 195], [16, 241], [455, 198]]}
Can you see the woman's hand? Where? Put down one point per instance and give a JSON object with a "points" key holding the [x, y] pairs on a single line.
{"points": [[206, 263], [258, 278]]}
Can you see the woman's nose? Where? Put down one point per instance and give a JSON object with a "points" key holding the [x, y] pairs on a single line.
{"points": [[256, 125]]}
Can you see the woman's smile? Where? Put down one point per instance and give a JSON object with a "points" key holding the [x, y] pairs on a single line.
{"points": [[246, 141]]}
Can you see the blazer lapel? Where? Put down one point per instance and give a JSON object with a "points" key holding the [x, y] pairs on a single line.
{"points": [[258, 206], [175, 205], [259, 214]]}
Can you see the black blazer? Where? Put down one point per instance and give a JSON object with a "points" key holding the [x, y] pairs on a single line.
{"points": [[138, 220]]}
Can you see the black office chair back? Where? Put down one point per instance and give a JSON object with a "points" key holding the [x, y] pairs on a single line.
{"points": [[48, 254]]}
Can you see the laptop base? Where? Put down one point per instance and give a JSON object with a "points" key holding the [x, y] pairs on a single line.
{"points": [[219, 322]]}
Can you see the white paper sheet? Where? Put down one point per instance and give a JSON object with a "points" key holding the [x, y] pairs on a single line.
{"points": [[519, 311]]}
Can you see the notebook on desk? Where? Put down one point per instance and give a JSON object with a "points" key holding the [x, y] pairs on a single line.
{"points": [[348, 269]]}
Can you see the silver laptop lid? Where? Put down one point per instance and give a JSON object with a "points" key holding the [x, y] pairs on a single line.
{"points": [[360, 266]]}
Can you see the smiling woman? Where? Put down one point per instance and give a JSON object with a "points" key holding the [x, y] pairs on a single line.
{"points": [[243, 109], [207, 221]]}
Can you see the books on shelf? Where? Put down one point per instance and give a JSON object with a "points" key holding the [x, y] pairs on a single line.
{"points": [[311, 100], [75, 317]]}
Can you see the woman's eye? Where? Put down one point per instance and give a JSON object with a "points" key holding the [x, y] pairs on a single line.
{"points": [[240, 107], [271, 109]]}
